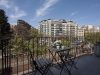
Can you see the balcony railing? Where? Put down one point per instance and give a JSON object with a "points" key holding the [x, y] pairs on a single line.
{"points": [[19, 51]]}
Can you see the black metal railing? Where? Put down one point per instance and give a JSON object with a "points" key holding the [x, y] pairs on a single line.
{"points": [[16, 56], [5, 60], [20, 51]]}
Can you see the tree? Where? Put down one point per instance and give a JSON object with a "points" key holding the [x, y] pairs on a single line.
{"points": [[23, 29], [92, 37], [5, 34], [35, 32], [4, 25], [24, 33]]}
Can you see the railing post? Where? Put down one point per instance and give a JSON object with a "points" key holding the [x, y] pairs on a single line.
{"points": [[6, 68]]}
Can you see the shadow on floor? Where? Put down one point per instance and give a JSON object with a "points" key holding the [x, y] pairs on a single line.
{"points": [[87, 65]]}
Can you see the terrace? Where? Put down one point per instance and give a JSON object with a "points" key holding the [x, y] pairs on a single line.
{"points": [[87, 65], [20, 61]]}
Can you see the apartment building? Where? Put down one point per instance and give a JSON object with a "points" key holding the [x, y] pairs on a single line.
{"points": [[91, 29], [60, 28], [51, 27], [80, 33]]}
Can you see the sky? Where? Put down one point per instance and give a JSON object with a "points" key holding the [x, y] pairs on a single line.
{"points": [[82, 12]]}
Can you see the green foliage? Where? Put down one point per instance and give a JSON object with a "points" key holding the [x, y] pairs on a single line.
{"points": [[5, 33], [26, 39], [23, 29], [4, 25], [92, 37], [17, 45], [65, 41], [35, 33]]}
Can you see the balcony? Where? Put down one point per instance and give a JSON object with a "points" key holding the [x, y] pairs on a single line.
{"points": [[20, 62], [87, 65]]}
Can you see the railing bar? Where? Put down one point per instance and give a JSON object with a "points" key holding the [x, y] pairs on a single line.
{"points": [[33, 52], [7, 56], [33, 45], [10, 57], [28, 56], [37, 48], [23, 53], [45, 47], [17, 57], [2, 56], [50, 42], [41, 43]]}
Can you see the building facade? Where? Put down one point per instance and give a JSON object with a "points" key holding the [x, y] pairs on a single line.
{"points": [[91, 29], [61, 28]]}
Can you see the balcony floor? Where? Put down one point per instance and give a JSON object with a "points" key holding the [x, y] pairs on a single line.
{"points": [[87, 65]]}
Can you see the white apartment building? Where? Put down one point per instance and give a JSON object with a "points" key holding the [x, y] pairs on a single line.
{"points": [[51, 28], [91, 28], [80, 33], [60, 28]]}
